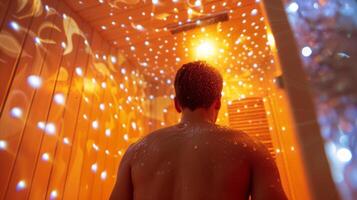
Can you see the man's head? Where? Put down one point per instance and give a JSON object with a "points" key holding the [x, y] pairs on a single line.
{"points": [[198, 86]]}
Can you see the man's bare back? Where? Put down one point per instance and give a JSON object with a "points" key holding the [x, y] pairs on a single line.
{"points": [[194, 162]]}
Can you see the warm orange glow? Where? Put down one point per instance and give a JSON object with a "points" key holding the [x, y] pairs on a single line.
{"points": [[205, 49], [89, 85], [271, 41], [81, 94]]}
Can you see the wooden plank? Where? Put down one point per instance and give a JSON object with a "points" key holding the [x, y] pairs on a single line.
{"points": [[4, 8], [70, 117], [91, 143], [20, 96], [114, 139], [246, 104], [42, 100], [62, 117], [247, 117], [251, 128], [118, 144], [83, 125], [103, 141], [126, 115], [54, 70], [76, 6], [99, 156], [241, 109], [253, 122], [245, 127], [15, 30], [251, 108], [103, 18], [118, 33]]}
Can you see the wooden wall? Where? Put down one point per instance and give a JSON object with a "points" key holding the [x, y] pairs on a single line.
{"points": [[70, 104], [64, 120]]}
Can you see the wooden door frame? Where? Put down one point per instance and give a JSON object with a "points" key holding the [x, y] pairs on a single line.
{"points": [[304, 117]]}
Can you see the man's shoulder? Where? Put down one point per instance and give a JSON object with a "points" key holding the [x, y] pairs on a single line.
{"points": [[242, 138], [149, 137], [220, 131], [156, 133], [160, 131], [233, 134]]}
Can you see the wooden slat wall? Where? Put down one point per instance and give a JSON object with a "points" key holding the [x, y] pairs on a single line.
{"points": [[77, 155], [4, 5], [20, 95], [49, 149], [249, 115]]}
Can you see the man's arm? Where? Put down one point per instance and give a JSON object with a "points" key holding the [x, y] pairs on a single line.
{"points": [[266, 183], [123, 188]]}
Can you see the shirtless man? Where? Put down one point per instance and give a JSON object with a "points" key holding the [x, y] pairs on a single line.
{"points": [[197, 159]]}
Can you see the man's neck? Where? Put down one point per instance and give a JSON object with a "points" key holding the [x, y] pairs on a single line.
{"points": [[199, 115]]}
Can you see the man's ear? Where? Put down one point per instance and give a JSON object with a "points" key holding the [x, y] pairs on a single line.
{"points": [[177, 105], [217, 104]]}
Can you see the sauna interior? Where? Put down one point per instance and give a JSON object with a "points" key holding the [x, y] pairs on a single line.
{"points": [[80, 80]]}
